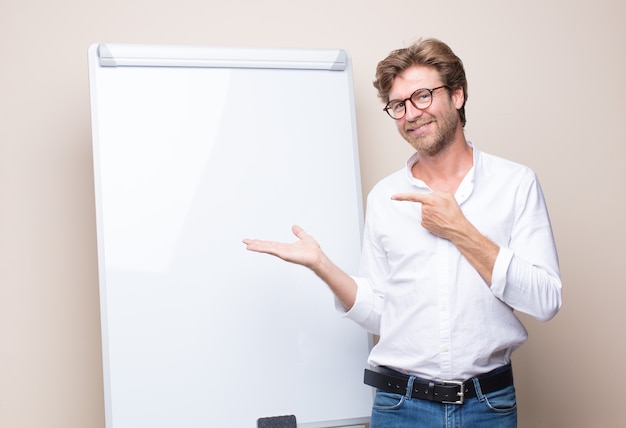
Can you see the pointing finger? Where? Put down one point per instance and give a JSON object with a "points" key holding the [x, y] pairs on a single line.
{"points": [[411, 197]]}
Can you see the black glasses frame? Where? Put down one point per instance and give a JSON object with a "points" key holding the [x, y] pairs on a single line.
{"points": [[388, 107]]}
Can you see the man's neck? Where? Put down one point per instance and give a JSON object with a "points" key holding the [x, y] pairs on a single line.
{"points": [[445, 170]]}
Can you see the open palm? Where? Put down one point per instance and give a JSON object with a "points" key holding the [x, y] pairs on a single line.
{"points": [[305, 251]]}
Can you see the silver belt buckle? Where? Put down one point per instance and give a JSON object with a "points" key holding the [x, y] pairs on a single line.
{"points": [[461, 393]]}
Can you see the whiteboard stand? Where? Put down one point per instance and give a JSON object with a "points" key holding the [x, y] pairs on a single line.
{"points": [[196, 148]]}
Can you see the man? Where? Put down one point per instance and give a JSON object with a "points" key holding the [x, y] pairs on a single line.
{"points": [[453, 244]]}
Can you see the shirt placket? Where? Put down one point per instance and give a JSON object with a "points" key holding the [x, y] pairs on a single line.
{"points": [[445, 253], [443, 289]]}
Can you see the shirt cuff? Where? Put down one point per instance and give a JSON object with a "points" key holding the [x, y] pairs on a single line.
{"points": [[500, 269], [363, 303]]}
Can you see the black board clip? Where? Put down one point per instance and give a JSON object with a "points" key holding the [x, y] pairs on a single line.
{"points": [[287, 421]]}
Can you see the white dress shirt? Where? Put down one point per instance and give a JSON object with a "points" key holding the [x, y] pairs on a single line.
{"points": [[436, 316]]}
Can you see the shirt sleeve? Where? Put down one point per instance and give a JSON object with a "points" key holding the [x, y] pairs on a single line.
{"points": [[526, 272], [363, 311], [367, 308]]}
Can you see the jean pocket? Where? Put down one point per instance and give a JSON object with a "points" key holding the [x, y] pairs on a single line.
{"points": [[502, 401], [387, 401]]}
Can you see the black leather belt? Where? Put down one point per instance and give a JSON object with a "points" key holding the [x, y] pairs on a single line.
{"points": [[442, 392]]}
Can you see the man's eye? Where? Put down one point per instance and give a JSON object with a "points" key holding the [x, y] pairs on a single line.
{"points": [[399, 106]]}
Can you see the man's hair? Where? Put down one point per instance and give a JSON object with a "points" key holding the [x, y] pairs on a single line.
{"points": [[425, 52]]}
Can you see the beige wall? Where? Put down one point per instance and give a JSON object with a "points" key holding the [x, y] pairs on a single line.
{"points": [[547, 88]]}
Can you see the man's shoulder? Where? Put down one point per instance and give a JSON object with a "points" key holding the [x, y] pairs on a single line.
{"points": [[393, 180], [490, 163]]}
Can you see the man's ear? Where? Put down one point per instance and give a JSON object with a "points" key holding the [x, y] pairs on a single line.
{"points": [[458, 98]]}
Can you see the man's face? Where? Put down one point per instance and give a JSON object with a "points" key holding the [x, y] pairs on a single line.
{"points": [[431, 130]]}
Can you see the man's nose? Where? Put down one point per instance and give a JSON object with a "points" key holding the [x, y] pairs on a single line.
{"points": [[412, 112]]}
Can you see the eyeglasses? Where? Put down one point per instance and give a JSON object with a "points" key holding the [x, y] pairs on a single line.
{"points": [[421, 99]]}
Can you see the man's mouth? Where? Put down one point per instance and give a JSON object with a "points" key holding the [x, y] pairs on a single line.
{"points": [[418, 128]]}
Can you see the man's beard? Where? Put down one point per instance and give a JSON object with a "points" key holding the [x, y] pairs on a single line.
{"points": [[436, 141]]}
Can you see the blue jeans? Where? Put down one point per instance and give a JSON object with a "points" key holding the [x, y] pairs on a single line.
{"points": [[496, 409]]}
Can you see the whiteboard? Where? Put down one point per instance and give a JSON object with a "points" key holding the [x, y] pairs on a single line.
{"points": [[194, 149]]}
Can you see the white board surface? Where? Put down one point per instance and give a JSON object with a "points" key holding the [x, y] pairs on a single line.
{"points": [[196, 148]]}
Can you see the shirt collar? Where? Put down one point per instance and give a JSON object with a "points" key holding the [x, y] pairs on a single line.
{"points": [[466, 186]]}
